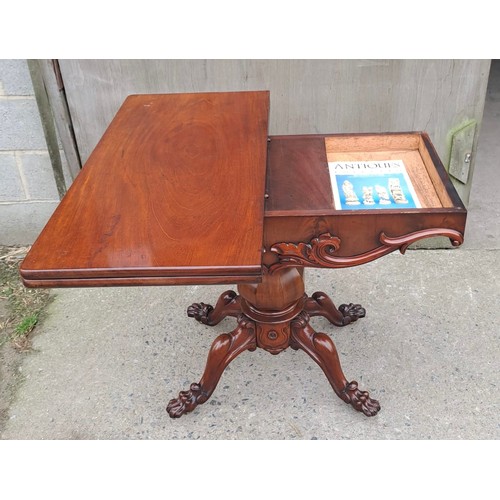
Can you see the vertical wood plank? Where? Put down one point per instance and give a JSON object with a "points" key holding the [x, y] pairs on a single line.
{"points": [[58, 104], [307, 96]]}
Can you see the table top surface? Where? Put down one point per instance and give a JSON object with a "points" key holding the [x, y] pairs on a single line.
{"points": [[172, 194]]}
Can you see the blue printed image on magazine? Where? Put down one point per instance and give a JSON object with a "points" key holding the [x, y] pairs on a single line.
{"points": [[374, 185]]}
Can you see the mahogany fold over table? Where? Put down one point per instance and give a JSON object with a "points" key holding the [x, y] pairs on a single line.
{"points": [[189, 189]]}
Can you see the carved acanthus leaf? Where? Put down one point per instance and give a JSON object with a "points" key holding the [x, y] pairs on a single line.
{"points": [[319, 252]]}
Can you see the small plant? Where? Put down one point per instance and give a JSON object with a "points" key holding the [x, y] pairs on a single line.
{"points": [[27, 324], [21, 307]]}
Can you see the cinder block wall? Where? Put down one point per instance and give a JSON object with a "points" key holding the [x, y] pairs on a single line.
{"points": [[28, 193]]}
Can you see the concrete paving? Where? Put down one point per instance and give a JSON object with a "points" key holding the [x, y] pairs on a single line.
{"points": [[106, 361]]}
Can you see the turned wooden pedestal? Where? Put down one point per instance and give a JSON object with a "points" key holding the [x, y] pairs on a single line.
{"points": [[274, 315]]}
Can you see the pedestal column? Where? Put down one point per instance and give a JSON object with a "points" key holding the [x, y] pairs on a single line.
{"points": [[273, 315]]}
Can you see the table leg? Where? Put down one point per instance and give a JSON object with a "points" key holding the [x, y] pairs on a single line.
{"points": [[227, 305], [323, 351], [224, 349], [319, 304], [273, 315]]}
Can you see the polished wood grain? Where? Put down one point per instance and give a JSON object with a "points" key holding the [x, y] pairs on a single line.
{"points": [[361, 232], [173, 193], [322, 350], [298, 181], [227, 305], [274, 329], [358, 234], [225, 348], [322, 251], [297, 177], [319, 304]]}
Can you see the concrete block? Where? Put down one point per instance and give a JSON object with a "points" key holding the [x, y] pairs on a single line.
{"points": [[39, 176], [15, 77], [20, 125], [11, 187], [22, 222]]}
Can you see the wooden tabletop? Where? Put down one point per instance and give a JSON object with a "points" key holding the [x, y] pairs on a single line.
{"points": [[172, 194]]}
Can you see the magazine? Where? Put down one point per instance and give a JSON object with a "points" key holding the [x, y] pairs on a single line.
{"points": [[368, 185]]}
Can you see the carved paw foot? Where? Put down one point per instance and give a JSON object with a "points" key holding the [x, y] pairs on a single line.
{"points": [[360, 400], [228, 304], [352, 312], [200, 312], [187, 401]]}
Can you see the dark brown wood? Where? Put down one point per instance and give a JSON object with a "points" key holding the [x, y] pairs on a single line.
{"points": [[281, 292], [302, 228], [361, 238], [227, 305], [174, 194], [175, 189], [320, 251], [298, 179], [321, 236], [225, 348], [319, 304], [303, 179], [274, 330], [323, 351]]}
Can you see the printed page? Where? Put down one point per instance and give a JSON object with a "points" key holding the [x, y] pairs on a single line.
{"points": [[368, 185]]}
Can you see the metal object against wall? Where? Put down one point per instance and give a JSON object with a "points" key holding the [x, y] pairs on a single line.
{"points": [[462, 144]]}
